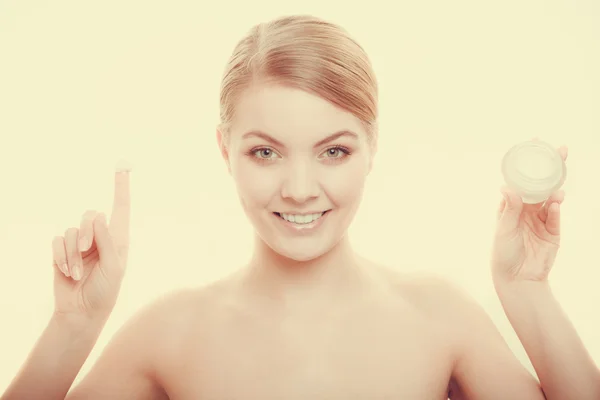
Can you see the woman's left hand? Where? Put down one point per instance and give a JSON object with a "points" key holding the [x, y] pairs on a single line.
{"points": [[527, 237]]}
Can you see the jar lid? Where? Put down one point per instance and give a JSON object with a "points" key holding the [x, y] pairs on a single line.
{"points": [[534, 170]]}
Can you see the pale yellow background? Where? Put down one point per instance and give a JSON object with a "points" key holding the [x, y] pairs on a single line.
{"points": [[85, 83]]}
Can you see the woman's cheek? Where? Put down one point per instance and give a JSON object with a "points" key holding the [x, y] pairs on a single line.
{"points": [[345, 183], [256, 184]]}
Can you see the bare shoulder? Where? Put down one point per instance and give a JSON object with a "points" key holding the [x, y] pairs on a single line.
{"points": [[424, 289], [436, 297], [482, 362], [150, 342], [172, 317]]}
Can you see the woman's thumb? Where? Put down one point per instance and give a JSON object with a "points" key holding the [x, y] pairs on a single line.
{"points": [[512, 209], [109, 257]]}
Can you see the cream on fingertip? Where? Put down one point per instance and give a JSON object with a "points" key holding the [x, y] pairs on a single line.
{"points": [[123, 166]]}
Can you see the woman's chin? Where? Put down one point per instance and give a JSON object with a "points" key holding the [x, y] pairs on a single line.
{"points": [[302, 252], [303, 257], [299, 254]]}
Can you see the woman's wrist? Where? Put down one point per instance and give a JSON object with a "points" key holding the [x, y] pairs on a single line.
{"points": [[78, 323], [524, 297], [79, 333], [521, 287]]}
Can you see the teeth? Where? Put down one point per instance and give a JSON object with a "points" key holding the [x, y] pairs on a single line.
{"points": [[302, 219]]}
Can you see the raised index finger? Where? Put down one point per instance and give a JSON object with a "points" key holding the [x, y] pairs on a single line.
{"points": [[120, 216]]}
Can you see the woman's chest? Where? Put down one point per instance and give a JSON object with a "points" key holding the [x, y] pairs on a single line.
{"points": [[368, 357]]}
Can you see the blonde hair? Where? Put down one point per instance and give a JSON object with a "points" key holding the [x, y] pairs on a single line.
{"points": [[305, 53]]}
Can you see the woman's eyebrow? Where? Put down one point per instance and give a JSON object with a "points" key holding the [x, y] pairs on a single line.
{"points": [[264, 136], [271, 139], [335, 136]]}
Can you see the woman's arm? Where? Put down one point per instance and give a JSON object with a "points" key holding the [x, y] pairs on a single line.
{"points": [[561, 361], [126, 368], [484, 366], [123, 370], [88, 263], [56, 359], [526, 244]]}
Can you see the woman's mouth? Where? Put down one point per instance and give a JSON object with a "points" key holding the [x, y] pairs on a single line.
{"points": [[302, 221]]}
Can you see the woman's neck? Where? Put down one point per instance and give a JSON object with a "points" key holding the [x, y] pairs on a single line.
{"points": [[336, 272]]}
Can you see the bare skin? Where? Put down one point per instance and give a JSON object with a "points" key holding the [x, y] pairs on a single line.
{"points": [[382, 336]]}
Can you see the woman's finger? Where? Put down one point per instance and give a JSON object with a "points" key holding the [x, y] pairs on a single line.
{"points": [[59, 255], [121, 212], [564, 152], [511, 213], [73, 255], [501, 209], [110, 260], [556, 197], [553, 220], [86, 230]]}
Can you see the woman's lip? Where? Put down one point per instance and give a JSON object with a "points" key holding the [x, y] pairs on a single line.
{"points": [[302, 228], [300, 213]]}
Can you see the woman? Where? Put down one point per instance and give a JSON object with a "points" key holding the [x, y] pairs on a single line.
{"points": [[306, 318]]}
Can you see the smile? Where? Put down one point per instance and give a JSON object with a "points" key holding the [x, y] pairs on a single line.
{"points": [[302, 222], [301, 218]]}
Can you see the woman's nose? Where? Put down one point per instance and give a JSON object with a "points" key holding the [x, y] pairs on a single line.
{"points": [[300, 184]]}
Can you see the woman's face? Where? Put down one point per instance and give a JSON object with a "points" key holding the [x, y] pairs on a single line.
{"points": [[299, 164]]}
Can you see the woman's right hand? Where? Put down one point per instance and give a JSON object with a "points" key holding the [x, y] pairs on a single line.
{"points": [[90, 260]]}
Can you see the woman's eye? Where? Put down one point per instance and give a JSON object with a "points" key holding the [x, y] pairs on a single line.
{"points": [[336, 152], [264, 153], [267, 154]]}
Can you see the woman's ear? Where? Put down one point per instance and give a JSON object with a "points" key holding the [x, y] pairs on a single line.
{"points": [[222, 143]]}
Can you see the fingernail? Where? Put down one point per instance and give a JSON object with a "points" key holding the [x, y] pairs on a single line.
{"points": [[65, 269], [123, 166], [83, 244], [76, 272]]}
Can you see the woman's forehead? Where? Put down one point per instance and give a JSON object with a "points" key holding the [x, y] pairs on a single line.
{"points": [[286, 111]]}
